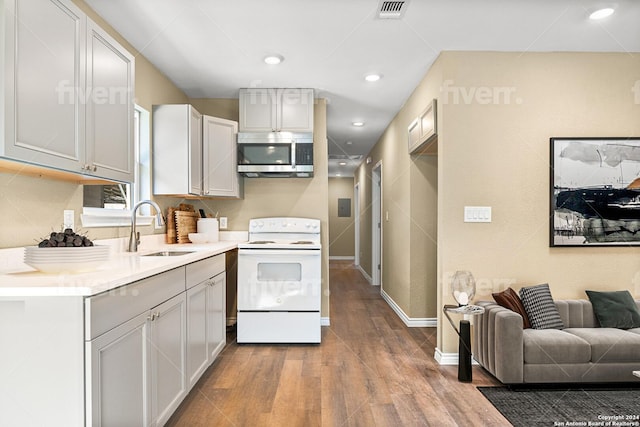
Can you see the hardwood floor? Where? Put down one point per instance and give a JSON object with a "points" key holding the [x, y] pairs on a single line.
{"points": [[369, 370]]}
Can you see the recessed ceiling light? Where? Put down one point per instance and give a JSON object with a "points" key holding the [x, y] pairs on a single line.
{"points": [[273, 59], [338, 175], [343, 163], [357, 124], [373, 77], [601, 13], [349, 142]]}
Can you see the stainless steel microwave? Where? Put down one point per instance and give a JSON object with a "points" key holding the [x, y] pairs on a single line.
{"points": [[275, 154]]}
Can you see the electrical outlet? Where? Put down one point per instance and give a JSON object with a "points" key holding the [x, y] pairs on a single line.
{"points": [[223, 222], [68, 220]]}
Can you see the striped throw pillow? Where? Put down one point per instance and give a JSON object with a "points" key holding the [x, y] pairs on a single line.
{"points": [[538, 303]]}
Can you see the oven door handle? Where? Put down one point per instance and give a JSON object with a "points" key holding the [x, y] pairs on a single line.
{"points": [[269, 252]]}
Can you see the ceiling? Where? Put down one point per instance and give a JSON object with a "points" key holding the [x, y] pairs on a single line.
{"points": [[211, 48]]}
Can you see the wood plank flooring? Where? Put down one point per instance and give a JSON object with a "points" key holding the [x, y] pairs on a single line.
{"points": [[369, 370]]}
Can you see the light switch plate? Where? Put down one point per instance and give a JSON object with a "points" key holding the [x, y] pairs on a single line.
{"points": [[477, 214], [223, 222]]}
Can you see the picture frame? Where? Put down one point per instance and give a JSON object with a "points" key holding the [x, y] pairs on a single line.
{"points": [[595, 191]]}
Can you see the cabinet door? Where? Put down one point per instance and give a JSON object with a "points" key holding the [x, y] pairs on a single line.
{"points": [[216, 316], [220, 175], [167, 350], [117, 381], [195, 152], [258, 110], [197, 352], [44, 117], [109, 96], [295, 110]]}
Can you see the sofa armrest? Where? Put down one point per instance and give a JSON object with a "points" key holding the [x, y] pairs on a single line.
{"points": [[498, 344]]}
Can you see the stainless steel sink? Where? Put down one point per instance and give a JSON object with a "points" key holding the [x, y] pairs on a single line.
{"points": [[169, 253]]}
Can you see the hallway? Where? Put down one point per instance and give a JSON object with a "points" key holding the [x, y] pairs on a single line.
{"points": [[370, 370]]}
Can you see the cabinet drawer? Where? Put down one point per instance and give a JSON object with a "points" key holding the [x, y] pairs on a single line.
{"points": [[205, 269], [107, 310]]}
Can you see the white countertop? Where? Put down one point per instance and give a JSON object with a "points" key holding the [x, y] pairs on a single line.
{"points": [[17, 279]]}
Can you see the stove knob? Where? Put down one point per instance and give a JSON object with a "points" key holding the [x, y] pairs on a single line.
{"points": [[284, 224], [307, 225], [260, 224], [315, 226]]}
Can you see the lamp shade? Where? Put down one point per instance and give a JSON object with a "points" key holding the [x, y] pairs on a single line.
{"points": [[463, 287]]}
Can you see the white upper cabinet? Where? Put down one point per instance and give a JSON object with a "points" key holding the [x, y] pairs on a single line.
{"points": [[194, 154], [44, 63], [68, 89], [177, 150], [110, 73], [423, 131], [276, 110], [220, 175]]}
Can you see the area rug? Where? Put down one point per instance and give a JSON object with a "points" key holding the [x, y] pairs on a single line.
{"points": [[560, 407]]}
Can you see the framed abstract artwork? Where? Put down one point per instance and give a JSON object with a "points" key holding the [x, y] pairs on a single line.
{"points": [[595, 192]]}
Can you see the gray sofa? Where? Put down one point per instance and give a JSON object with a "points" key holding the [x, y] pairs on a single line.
{"points": [[582, 352]]}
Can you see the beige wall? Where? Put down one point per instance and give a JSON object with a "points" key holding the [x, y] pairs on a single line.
{"points": [[497, 154], [341, 229], [496, 113], [264, 197], [32, 205]]}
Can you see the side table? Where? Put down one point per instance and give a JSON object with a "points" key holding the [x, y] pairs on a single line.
{"points": [[464, 334]]}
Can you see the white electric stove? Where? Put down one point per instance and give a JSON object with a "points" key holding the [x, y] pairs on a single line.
{"points": [[279, 281]]}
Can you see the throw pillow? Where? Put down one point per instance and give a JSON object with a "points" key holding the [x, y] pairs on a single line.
{"points": [[510, 299], [615, 309], [538, 303]]}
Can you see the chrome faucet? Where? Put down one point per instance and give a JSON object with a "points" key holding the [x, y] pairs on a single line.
{"points": [[134, 237]]}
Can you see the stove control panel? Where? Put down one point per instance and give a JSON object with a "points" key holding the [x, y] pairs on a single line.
{"points": [[284, 225]]}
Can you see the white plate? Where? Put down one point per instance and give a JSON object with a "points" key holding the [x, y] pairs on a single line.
{"points": [[69, 267], [66, 259]]}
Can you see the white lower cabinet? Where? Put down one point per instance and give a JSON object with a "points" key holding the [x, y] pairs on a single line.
{"points": [[147, 343], [118, 390], [206, 319], [167, 351]]}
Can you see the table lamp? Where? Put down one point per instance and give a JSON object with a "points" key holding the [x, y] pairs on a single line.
{"points": [[463, 287]]}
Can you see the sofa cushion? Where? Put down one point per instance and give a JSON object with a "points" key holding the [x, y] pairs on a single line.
{"points": [[615, 309], [538, 303], [510, 299], [609, 344], [634, 330], [544, 346]]}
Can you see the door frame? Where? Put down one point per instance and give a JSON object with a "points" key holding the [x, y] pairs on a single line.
{"points": [[356, 209], [376, 225]]}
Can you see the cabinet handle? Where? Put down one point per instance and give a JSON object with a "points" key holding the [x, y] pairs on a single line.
{"points": [[152, 317], [94, 168]]}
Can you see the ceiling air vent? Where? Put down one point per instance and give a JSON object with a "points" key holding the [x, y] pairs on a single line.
{"points": [[391, 9]]}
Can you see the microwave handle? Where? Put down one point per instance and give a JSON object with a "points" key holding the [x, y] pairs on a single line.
{"points": [[293, 153]]}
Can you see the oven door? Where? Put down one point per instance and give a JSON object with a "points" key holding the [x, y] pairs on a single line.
{"points": [[279, 280]]}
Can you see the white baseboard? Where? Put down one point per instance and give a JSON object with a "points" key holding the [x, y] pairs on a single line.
{"points": [[449, 358], [419, 322], [341, 258], [324, 321], [364, 273]]}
